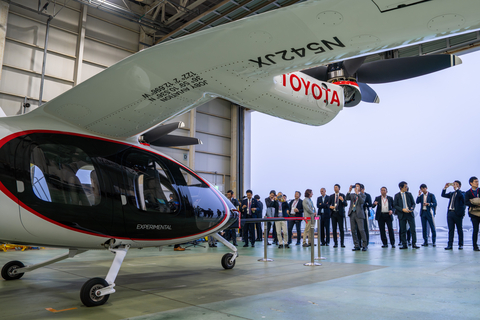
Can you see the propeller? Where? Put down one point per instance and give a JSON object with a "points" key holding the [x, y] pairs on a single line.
{"points": [[383, 71], [160, 137]]}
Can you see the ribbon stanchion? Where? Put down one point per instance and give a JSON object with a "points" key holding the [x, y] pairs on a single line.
{"points": [[312, 262], [265, 244], [319, 246]]}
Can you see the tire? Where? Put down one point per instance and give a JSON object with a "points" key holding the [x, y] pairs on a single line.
{"points": [[226, 261], [88, 296], [9, 267]]}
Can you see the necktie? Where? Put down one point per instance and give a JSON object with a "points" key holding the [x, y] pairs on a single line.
{"points": [[404, 201], [452, 202], [249, 206]]}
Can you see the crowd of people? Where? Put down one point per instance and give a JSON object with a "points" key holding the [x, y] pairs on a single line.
{"points": [[333, 209]]}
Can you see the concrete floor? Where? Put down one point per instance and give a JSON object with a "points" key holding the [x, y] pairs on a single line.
{"points": [[428, 283]]}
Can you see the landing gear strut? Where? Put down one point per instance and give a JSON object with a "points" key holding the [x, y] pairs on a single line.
{"points": [[96, 291], [228, 260]]}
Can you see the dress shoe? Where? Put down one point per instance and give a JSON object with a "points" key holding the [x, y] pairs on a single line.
{"points": [[425, 244], [335, 245], [385, 246], [269, 244], [460, 247], [393, 246], [304, 245], [434, 245], [343, 246], [327, 244], [287, 246], [448, 248], [403, 247], [409, 244], [415, 246], [298, 243], [280, 246], [356, 249], [214, 245], [245, 245], [253, 246], [323, 244], [236, 245], [476, 249], [364, 249]]}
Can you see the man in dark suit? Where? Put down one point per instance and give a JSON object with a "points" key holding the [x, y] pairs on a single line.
{"points": [[231, 234], [456, 212], [295, 210], [357, 215], [249, 207], [473, 211], [323, 205], [404, 205], [427, 212], [384, 215], [270, 212], [337, 207], [258, 214], [366, 207]]}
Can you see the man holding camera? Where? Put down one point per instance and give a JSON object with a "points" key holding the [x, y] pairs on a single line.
{"points": [[404, 205], [456, 212], [281, 210], [357, 216], [427, 212], [270, 203]]}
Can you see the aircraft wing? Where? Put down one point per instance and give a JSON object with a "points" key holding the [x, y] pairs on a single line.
{"points": [[244, 61]]}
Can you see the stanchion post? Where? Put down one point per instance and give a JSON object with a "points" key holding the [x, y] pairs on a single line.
{"points": [[318, 237], [312, 246], [265, 243]]}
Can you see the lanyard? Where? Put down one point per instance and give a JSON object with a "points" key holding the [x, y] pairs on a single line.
{"points": [[384, 201], [475, 195]]}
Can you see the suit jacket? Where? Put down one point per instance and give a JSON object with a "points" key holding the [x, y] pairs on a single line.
{"points": [[430, 200], [459, 205], [275, 205], [308, 207], [398, 204], [323, 203], [299, 207], [254, 204], [340, 205], [259, 210], [378, 199], [358, 204]]}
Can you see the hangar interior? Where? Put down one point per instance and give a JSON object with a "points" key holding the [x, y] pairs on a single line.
{"points": [[47, 47]]}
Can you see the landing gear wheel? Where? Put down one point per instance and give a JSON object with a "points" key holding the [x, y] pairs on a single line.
{"points": [[226, 263], [7, 270], [88, 293]]}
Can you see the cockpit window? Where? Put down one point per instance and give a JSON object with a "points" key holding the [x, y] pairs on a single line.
{"points": [[149, 187], [64, 174]]}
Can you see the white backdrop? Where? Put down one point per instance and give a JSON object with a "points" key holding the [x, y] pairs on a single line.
{"points": [[425, 130]]}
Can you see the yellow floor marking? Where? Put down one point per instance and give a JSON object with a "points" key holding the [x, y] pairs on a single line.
{"points": [[55, 311]]}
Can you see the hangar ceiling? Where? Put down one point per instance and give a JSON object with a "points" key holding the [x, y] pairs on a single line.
{"points": [[165, 20]]}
